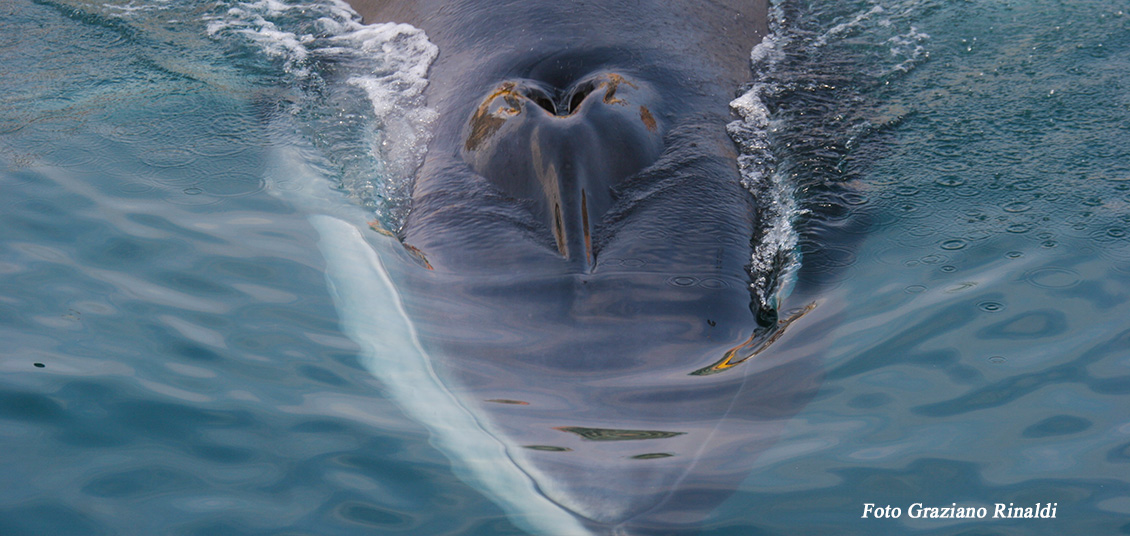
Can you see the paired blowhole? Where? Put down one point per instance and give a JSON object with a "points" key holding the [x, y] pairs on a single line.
{"points": [[563, 105]]}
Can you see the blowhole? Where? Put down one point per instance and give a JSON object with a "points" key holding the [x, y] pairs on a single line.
{"points": [[579, 95], [541, 99]]}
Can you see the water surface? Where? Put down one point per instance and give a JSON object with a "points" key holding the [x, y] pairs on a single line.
{"points": [[195, 377]]}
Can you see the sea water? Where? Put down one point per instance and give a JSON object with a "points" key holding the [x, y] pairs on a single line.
{"points": [[175, 360]]}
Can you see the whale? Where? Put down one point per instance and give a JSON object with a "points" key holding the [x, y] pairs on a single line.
{"points": [[575, 268]]}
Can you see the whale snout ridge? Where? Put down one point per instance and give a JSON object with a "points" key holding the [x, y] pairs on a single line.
{"points": [[562, 150]]}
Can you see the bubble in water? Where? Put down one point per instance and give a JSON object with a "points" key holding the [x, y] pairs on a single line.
{"points": [[949, 268], [950, 181], [191, 196], [954, 244], [990, 306], [913, 209], [1017, 206], [1014, 254], [1052, 278], [997, 360], [713, 282], [1018, 228]]}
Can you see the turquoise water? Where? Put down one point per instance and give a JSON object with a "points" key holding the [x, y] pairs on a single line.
{"points": [[173, 361]]}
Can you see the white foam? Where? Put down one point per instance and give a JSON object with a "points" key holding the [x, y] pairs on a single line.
{"points": [[396, 92], [906, 48], [250, 19], [388, 61], [847, 26], [909, 46], [775, 259]]}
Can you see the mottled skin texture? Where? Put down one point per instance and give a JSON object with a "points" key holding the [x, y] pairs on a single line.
{"points": [[589, 253]]}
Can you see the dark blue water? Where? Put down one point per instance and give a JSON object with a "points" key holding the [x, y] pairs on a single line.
{"points": [[174, 360]]}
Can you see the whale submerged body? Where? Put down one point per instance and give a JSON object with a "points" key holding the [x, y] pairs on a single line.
{"points": [[576, 260]]}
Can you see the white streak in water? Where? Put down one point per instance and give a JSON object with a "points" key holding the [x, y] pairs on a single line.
{"points": [[371, 314]]}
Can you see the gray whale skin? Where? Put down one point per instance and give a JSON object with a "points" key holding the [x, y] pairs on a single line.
{"points": [[583, 243]]}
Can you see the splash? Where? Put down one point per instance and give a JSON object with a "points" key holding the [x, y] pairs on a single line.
{"points": [[774, 260], [376, 147], [811, 105]]}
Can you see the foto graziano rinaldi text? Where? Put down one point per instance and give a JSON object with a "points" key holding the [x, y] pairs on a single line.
{"points": [[953, 511]]}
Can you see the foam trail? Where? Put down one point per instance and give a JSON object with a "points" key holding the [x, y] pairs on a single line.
{"points": [[775, 259], [372, 315], [377, 139]]}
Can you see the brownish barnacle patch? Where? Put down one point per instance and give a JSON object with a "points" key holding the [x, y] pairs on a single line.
{"points": [[485, 123], [419, 256], [377, 226], [646, 117], [752, 346], [613, 83]]}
